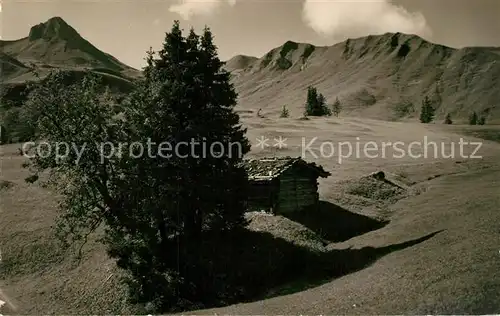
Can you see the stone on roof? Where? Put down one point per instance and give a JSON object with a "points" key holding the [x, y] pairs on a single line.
{"points": [[270, 168]]}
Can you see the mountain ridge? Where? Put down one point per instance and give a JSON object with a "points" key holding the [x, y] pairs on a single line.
{"points": [[53, 27], [379, 76], [54, 43]]}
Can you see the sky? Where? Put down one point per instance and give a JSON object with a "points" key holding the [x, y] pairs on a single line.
{"points": [[128, 28]]}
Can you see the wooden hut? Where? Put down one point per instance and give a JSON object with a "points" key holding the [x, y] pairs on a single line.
{"points": [[283, 184]]}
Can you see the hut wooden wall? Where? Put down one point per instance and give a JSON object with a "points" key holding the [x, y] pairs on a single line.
{"points": [[298, 188], [263, 195]]}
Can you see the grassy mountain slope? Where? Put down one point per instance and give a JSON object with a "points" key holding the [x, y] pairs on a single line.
{"points": [[11, 67], [399, 268], [56, 45], [384, 77]]}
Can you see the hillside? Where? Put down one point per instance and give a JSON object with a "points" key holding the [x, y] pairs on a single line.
{"points": [[383, 77], [11, 67], [57, 44], [401, 267]]}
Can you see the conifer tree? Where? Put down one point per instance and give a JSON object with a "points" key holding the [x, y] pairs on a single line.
{"points": [[203, 187], [427, 111], [312, 101], [316, 103], [336, 107], [473, 118], [284, 112], [3, 135]]}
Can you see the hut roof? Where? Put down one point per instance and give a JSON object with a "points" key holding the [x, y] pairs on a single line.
{"points": [[270, 168]]}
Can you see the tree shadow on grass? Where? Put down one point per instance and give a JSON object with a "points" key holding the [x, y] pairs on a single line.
{"points": [[334, 223], [336, 263], [251, 266]]}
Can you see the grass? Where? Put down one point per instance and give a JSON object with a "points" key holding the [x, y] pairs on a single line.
{"points": [[400, 281], [336, 263], [371, 249], [335, 224], [275, 255], [485, 132], [375, 190], [370, 244], [32, 258], [4, 185]]}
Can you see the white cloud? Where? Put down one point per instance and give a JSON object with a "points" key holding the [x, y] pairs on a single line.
{"points": [[350, 18], [189, 8]]}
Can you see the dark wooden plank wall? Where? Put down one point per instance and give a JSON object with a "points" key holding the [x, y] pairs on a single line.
{"points": [[298, 189], [262, 195], [294, 190]]}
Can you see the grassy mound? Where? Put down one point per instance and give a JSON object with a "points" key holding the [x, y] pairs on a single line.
{"points": [[375, 189], [372, 195], [286, 229]]}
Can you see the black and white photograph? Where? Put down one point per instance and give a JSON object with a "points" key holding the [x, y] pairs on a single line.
{"points": [[249, 157]]}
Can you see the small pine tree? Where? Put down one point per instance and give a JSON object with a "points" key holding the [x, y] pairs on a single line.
{"points": [[284, 112], [336, 107], [481, 120], [3, 135], [448, 120], [473, 118], [427, 112]]}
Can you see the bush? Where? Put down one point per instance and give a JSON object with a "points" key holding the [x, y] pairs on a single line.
{"points": [[448, 120]]}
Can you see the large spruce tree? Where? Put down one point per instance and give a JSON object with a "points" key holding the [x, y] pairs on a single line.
{"points": [[198, 188]]}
